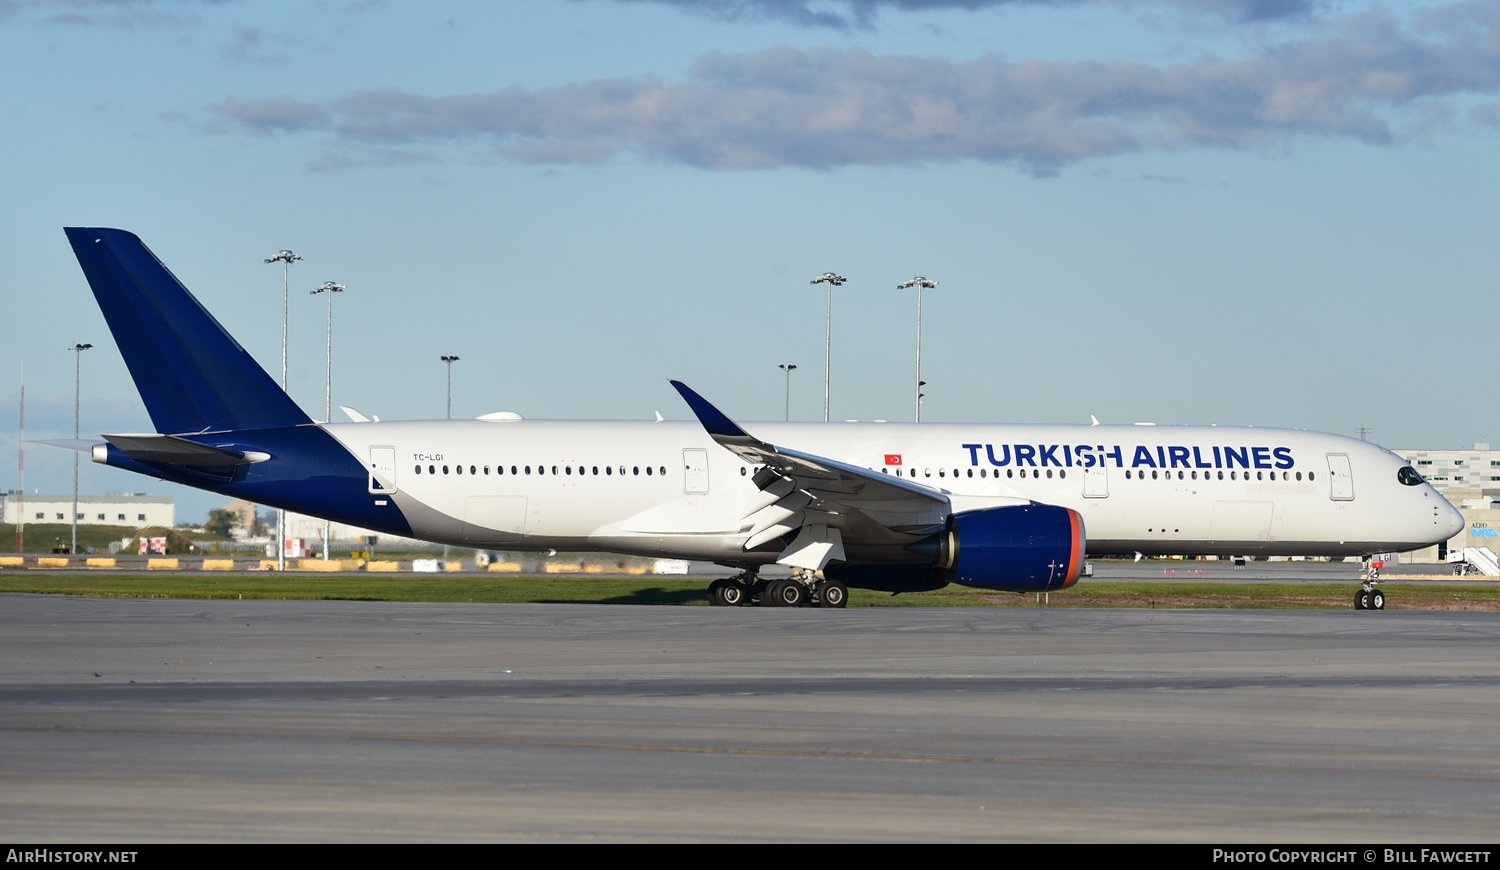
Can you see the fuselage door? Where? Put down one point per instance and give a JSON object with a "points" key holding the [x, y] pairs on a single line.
{"points": [[382, 468], [1095, 482], [695, 470], [1340, 477]]}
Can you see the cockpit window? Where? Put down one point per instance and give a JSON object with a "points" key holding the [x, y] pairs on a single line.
{"points": [[1409, 476]]}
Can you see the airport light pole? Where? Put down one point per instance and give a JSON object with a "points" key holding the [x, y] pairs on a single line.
{"points": [[329, 288], [286, 259], [919, 284], [832, 281], [788, 368], [78, 350], [450, 359]]}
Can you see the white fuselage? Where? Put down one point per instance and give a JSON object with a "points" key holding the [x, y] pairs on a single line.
{"points": [[666, 488]]}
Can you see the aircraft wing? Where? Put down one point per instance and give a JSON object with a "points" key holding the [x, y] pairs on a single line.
{"points": [[823, 500]]}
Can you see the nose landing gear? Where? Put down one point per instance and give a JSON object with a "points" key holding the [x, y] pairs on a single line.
{"points": [[1369, 597]]}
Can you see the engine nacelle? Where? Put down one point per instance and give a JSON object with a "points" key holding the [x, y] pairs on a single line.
{"points": [[1018, 548]]}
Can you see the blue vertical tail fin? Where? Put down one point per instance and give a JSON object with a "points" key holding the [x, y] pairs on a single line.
{"points": [[191, 373]]}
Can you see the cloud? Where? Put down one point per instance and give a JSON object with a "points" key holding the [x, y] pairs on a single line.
{"points": [[279, 115], [113, 13], [823, 108], [849, 15]]}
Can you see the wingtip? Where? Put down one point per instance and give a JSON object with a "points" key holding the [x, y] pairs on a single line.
{"points": [[713, 420]]}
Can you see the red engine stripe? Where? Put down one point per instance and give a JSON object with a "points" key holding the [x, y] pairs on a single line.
{"points": [[1075, 564]]}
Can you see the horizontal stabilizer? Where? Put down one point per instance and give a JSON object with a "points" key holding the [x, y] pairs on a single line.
{"points": [[82, 445], [171, 450]]}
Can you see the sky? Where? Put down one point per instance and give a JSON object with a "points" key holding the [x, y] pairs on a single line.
{"points": [[1258, 212]]}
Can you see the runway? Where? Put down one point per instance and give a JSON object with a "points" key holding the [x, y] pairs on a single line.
{"points": [[140, 721]]}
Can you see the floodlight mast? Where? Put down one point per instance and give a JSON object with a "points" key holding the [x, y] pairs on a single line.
{"points": [[832, 281], [78, 349], [920, 284], [286, 259], [787, 408], [329, 288], [450, 359]]}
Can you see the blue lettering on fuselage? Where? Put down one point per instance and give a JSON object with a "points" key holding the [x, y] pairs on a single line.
{"points": [[1050, 455]]}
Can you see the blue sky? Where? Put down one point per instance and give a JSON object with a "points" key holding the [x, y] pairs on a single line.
{"points": [[1186, 211]]}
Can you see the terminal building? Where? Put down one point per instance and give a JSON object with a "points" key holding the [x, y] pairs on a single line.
{"points": [[131, 510], [1458, 472], [1470, 479]]}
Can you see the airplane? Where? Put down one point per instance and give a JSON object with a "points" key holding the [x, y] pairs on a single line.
{"points": [[892, 507]]}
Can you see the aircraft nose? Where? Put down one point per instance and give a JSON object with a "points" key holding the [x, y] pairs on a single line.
{"points": [[1454, 521]]}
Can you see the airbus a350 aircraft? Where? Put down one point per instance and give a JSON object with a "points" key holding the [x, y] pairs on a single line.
{"points": [[886, 506]]}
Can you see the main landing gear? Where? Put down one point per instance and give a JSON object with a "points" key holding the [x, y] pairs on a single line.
{"points": [[1368, 597], [803, 588]]}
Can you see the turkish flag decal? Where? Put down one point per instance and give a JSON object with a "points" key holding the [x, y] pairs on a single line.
{"points": [[893, 459]]}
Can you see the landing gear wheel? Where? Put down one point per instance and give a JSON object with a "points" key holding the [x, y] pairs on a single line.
{"points": [[832, 593], [1377, 599], [783, 593], [726, 592], [1362, 599]]}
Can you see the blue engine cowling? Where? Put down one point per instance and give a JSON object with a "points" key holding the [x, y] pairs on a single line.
{"points": [[1020, 548]]}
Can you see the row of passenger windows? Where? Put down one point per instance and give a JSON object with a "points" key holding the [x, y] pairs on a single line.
{"points": [[1009, 472], [1138, 474], [638, 470], [555, 470], [1219, 475]]}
